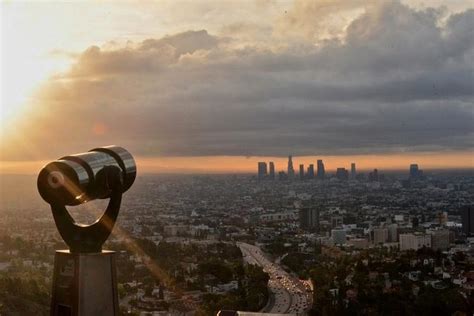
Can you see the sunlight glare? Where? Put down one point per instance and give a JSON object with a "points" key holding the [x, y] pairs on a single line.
{"points": [[26, 62]]}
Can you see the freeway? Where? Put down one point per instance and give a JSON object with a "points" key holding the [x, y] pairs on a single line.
{"points": [[289, 295]]}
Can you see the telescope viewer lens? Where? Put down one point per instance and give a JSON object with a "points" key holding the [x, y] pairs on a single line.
{"points": [[76, 179], [55, 179]]}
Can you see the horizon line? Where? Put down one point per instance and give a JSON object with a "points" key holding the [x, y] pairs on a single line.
{"points": [[461, 160], [250, 173]]}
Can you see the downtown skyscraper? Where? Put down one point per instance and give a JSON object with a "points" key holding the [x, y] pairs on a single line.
{"points": [[310, 172], [415, 172], [291, 170], [262, 170], [321, 173], [353, 171], [272, 171]]}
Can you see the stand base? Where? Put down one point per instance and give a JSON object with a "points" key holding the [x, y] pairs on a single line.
{"points": [[84, 284]]}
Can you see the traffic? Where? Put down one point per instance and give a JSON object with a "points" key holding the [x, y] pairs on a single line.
{"points": [[289, 295]]}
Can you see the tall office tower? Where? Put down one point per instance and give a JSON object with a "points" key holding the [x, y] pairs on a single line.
{"points": [[467, 216], [309, 219], [413, 170], [310, 172], [380, 236], [301, 172], [393, 232], [321, 173], [262, 170], [415, 173], [353, 171], [272, 170], [374, 175], [342, 174], [440, 239], [291, 171]]}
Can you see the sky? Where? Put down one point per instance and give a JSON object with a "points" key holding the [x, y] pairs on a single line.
{"points": [[215, 86]]}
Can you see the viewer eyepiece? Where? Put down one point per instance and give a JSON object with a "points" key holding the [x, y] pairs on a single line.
{"points": [[79, 178]]}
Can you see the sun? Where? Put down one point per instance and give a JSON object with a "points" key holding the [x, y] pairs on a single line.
{"points": [[13, 100], [17, 89], [25, 62]]}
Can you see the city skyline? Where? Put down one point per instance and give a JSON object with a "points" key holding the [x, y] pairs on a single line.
{"points": [[240, 164]]}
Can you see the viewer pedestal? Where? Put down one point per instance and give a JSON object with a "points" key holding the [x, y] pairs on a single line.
{"points": [[84, 284]]}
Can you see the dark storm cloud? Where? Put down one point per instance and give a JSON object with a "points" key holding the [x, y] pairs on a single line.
{"points": [[400, 80]]}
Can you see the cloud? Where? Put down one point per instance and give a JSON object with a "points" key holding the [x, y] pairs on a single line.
{"points": [[149, 56], [319, 19], [394, 79]]}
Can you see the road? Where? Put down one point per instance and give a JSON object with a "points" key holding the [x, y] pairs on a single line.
{"points": [[289, 295]]}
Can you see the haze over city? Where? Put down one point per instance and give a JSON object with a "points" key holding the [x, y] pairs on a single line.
{"points": [[218, 86]]}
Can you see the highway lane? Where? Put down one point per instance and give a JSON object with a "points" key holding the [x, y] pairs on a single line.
{"points": [[291, 296]]}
